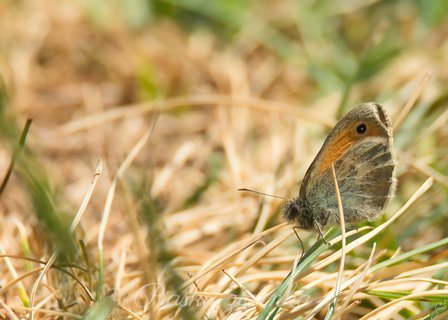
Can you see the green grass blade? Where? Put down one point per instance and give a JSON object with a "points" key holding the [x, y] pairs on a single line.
{"points": [[101, 309], [316, 250], [407, 255], [438, 309], [392, 295]]}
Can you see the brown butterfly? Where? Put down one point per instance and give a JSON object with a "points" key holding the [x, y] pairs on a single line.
{"points": [[360, 147]]}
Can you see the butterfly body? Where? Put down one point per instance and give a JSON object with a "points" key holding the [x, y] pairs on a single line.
{"points": [[360, 148]]}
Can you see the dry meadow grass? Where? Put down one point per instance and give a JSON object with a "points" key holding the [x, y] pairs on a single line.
{"points": [[123, 201]]}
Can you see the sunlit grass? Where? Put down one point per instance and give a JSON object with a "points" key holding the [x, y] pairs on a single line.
{"points": [[122, 201]]}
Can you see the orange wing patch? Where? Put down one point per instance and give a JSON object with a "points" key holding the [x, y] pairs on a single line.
{"points": [[335, 150], [345, 138]]}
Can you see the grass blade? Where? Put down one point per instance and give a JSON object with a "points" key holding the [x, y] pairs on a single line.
{"points": [[101, 309], [316, 250]]}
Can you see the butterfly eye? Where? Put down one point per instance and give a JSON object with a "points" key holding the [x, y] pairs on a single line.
{"points": [[361, 129]]}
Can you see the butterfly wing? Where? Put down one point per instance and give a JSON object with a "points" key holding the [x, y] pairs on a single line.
{"points": [[364, 169]]}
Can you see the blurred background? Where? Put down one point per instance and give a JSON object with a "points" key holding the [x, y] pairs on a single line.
{"points": [[238, 93]]}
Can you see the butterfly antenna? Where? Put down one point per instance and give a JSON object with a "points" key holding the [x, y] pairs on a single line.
{"points": [[263, 194]]}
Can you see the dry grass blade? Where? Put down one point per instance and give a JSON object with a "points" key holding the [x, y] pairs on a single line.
{"points": [[16, 279], [332, 308], [431, 268], [110, 196], [132, 314], [264, 251], [222, 261], [49, 313], [243, 288], [436, 125], [356, 285], [206, 100], [401, 115], [406, 280], [372, 314], [428, 171], [37, 282], [88, 195], [11, 313], [73, 226]]}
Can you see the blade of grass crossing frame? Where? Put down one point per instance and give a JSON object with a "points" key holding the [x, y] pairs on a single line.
{"points": [[317, 249], [101, 309], [438, 309], [407, 255], [16, 154], [109, 200], [333, 304]]}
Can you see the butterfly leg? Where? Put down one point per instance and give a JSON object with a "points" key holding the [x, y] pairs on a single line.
{"points": [[326, 220], [321, 235], [301, 242]]}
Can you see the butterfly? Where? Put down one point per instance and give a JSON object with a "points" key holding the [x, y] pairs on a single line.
{"points": [[360, 148]]}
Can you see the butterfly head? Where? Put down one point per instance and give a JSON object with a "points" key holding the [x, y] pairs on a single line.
{"points": [[297, 211]]}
